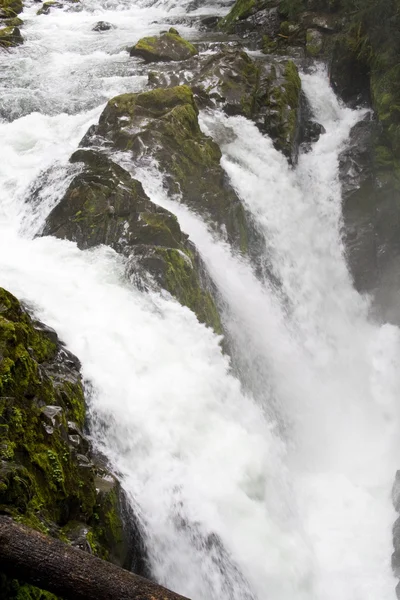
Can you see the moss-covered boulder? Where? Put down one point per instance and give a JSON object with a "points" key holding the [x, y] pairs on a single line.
{"points": [[47, 477], [163, 125], [267, 91], [105, 205], [10, 36], [48, 6], [244, 10], [165, 47], [10, 8]]}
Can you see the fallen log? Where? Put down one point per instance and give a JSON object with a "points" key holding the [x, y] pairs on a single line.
{"points": [[69, 572]]}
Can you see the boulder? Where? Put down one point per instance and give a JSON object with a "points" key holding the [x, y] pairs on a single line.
{"points": [[10, 36], [242, 10], [266, 91], [47, 6], [105, 205], [103, 26], [166, 47], [163, 125], [10, 8]]}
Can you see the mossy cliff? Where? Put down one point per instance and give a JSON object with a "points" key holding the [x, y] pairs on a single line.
{"points": [[105, 205], [47, 478]]}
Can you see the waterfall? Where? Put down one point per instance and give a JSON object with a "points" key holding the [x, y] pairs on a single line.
{"points": [[262, 478]]}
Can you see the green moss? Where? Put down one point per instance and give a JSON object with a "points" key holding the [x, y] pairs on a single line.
{"points": [[11, 8], [284, 100], [168, 46], [240, 10], [182, 282]]}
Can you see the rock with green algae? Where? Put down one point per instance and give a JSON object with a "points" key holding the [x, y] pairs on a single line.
{"points": [[10, 8], [242, 10], [44, 481], [267, 91], [163, 125], [47, 6], [10, 36], [105, 205], [165, 47]]}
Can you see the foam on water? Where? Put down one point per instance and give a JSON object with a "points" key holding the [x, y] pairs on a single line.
{"points": [[274, 489]]}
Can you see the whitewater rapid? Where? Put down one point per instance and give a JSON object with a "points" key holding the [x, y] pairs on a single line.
{"points": [[267, 477]]}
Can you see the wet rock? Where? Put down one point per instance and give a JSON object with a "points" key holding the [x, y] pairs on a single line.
{"points": [[43, 482], [10, 36], [47, 6], [10, 8], [263, 23], [53, 414], [265, 91], [349, 75], [396, 497], [103, 26], [314, 42], [166, 47], [105, 205], [163, 125], [242, 10]]}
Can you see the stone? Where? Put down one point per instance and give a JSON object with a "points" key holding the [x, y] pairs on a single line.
{"points": [[10, 8], [10, 36], [103, 26], [163, 125], [166, 47], [314, 42], [145, 233]]}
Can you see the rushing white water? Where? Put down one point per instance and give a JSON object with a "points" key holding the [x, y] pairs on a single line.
{"points": [[233, 505]]}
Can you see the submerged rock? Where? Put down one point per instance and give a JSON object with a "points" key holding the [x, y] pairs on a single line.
{"points": [[42, 481], [166, 47], [105, 205], [103, 26]]}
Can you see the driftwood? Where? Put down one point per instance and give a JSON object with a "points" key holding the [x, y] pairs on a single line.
{"points": [[69, 572]]}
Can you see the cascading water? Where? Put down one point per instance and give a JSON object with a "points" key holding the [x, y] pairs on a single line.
{"points": [[275, 492]]}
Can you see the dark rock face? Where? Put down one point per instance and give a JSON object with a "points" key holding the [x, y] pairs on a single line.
{"points": [[371, 219], [349, 76], [166, 47], [47, 475], [105, 205]]}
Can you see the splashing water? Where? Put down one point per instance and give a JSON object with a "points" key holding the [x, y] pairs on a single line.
{"points": [[233, 506]]}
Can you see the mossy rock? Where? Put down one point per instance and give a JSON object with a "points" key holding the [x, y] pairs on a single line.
{"points": [[47, 6], [166, 47], [10, 36], [163, 124], [242, 9], [105, 205], [44, 482], [10, 8]]}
